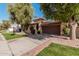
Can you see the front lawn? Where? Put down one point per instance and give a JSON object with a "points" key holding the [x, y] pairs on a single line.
{"points": [[10, 36], [59, 50]]}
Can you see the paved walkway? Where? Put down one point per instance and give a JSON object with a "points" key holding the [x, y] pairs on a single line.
{"points": [[4, 48]]}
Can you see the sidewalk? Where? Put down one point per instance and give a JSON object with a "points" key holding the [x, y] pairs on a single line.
{"points": [[4, 48]]}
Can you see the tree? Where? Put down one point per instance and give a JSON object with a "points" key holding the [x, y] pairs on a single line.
{"points": [[64, 12], [5, 24], [21, 14], [0, 26]]}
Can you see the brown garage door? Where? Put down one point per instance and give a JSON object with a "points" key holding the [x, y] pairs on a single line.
{"points": [[51, 28]]}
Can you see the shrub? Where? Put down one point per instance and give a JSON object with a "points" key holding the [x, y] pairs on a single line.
{"points": [[66, 31], [32, 30]]}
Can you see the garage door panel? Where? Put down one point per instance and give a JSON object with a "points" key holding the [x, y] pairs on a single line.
{"points": [[51, 29]]}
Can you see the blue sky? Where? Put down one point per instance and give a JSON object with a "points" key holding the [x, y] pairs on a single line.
{"points": [[37, 11], [4, 13]]}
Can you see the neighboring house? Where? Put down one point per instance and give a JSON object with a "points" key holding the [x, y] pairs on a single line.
{"points": [[15, 27]]}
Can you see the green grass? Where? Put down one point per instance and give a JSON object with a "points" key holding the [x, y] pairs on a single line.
{"points": [[59, 50], [10, 36]]}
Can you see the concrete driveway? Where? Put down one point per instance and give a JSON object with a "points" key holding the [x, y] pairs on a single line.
{"points": [[23, 45]]}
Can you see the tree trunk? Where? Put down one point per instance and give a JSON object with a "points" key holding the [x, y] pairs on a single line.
{"points": [[24, 28], [73, 26]]}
